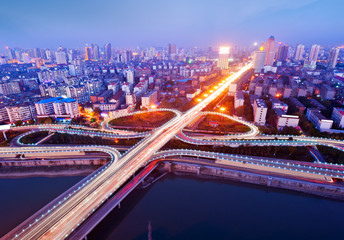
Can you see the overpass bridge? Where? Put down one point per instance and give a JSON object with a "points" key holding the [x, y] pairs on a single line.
{"points": [[307, 176], [61, 220], [83, 203]]}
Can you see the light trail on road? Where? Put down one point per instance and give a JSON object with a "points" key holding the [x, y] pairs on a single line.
{"points": [[81, 205]]}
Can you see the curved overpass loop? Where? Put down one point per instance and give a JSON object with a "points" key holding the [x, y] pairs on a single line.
{"points": [[324, 172], [105, 124], [253, 138], [68, 216], [62, 221], [254, 131], [105, 132], [76, 194]]}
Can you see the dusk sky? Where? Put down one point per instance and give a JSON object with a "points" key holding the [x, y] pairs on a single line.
{"points": [[130, 23]]}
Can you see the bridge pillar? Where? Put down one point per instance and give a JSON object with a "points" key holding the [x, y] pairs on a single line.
{"points": [[269, 180], [198, 170], [169, 167], [3, 132], [119, 205]]}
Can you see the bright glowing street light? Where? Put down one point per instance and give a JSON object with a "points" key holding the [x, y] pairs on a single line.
{"points": [[205, 95], [153, 106], [222, 109], [199, 100]]}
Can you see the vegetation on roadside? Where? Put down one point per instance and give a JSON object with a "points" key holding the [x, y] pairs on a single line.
{"points": [[143, 120], [225, 125], [282, 152], [34, 137], [10, 134], [331, 155], [72, 139]]}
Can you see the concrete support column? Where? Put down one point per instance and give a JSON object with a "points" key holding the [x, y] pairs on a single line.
{"points": [[3, 132]]}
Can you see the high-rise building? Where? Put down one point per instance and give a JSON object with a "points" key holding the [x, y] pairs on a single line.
{"points": [[332, 58], [130, 76], [88, 54], [26, 58], [8, 88], [61, 56], [223, 57], [338, 117], [300, 50], [130, 99], [313, 55], [37, 53], [282, 53], [171, 49], [270, 47], [259, 111], [95, 52], [107, 51], [128, 56], [149, 99], [21, 112], [259, 60], [58, 107], [10, 53]]}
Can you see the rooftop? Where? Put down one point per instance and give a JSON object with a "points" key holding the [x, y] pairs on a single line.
{"points": [[57, 99], [260, 103]]}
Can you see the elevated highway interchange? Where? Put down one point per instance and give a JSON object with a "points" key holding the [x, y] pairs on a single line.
{"points": [[60, 219]]}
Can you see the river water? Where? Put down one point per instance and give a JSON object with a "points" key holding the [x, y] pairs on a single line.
{"points": [[22, 197], [186, 207], [180, 207]]}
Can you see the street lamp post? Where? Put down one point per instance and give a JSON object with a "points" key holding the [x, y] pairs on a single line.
{"points": [[222, 109], [153, 107]]}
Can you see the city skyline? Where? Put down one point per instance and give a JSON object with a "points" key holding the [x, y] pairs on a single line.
{"points": [[104, 102], [131, 23]]}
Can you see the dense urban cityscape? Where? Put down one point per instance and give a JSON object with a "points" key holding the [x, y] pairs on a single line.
{"points": [[168, 141]]}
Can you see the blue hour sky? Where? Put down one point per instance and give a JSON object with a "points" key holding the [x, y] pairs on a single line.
{"points": [[130, 23]]}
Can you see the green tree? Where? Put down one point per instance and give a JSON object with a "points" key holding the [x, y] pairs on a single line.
{"points": [[18, 123], [240, 111], [48, 120]]}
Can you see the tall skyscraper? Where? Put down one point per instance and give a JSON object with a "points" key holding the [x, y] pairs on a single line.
{"points": [[37, 53], [61, 57], [26, 58], [107, 51], [332, 58], [95, 52], [88, 54], [259, 60], [171, 49], [223, 57], [270, 47], [282, 52], [10, 53], [130, 76], [129, 55], [313, 55], [300, 50]]}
